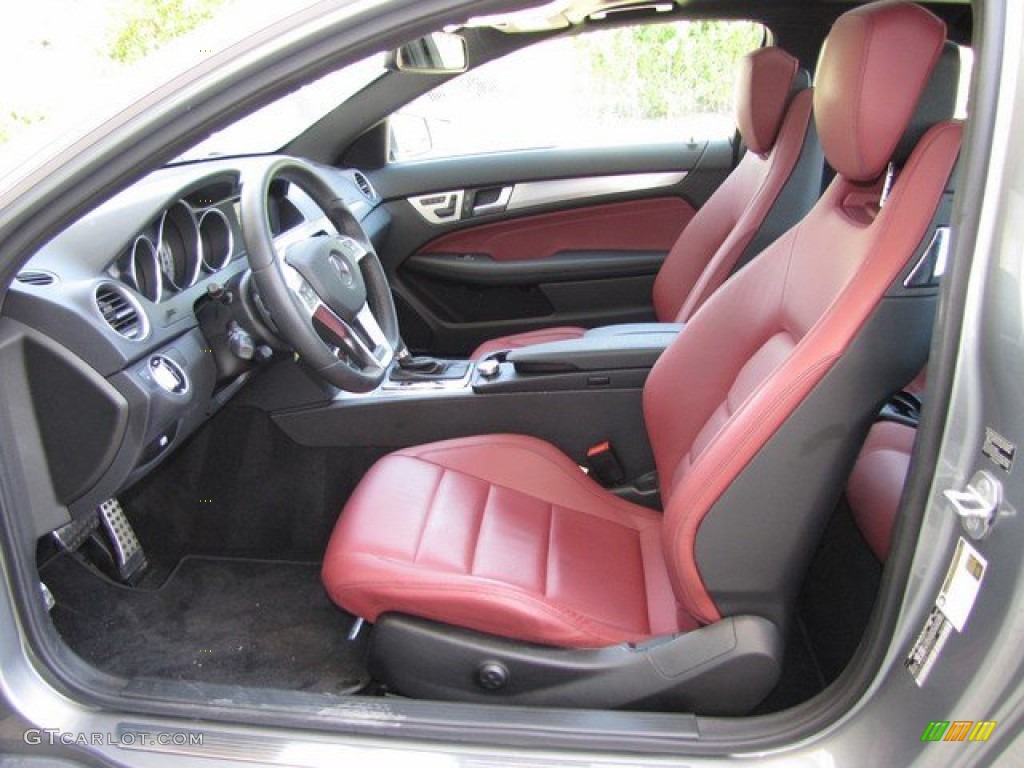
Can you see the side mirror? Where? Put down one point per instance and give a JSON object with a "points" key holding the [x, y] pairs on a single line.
{"points": [[440, 53]]}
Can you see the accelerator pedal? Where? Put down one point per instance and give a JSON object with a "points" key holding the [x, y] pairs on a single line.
{"points": [[130, 559]]}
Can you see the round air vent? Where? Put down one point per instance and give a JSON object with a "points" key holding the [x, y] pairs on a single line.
{"points": [[36, 277], [364, 185], [121, 312]]}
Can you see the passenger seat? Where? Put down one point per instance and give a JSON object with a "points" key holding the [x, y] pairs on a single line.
{"points": [[778, 180]]}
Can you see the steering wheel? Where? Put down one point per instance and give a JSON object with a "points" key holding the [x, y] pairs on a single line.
{"points": [[326, 291]]}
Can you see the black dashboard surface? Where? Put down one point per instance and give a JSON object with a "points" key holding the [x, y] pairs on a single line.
{"points": [[115, 311]]}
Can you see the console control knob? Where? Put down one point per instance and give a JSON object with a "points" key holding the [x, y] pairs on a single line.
{"points": [[489, 369]]}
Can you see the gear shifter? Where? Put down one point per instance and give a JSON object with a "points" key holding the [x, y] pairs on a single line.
{"points": [[424, 368], [421, 364]]}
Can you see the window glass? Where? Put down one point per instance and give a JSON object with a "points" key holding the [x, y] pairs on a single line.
{"points": [[632, 85], [273, 126], [68, 65], [964, 86]]}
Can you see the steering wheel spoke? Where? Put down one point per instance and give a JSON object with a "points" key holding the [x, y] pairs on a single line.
{"points": [[362, 340]]}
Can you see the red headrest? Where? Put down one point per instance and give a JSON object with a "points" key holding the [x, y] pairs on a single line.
{"points": [[873, 69], [762, 91]]}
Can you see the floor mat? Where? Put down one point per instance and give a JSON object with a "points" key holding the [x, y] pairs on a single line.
{"points": [[229, 621]]}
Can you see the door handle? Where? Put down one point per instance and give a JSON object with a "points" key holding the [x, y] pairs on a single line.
{"points": [[496, 200]]}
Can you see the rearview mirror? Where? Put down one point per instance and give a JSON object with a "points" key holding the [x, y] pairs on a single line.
{"points": [[440, 53]]}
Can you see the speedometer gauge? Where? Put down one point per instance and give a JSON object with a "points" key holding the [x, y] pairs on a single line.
{"points": [[180, 246]]}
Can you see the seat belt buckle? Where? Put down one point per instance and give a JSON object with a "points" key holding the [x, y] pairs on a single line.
{"points": [[604, 465]]}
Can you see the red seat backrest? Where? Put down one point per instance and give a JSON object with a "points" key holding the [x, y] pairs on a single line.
{"points": [[756, 411]]}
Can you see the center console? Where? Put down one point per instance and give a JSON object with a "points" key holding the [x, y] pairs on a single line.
{"points": [[575, 394], [602, 358]]}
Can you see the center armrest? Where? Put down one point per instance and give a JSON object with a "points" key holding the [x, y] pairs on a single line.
{"points": [[633, 329], [597, 352]]}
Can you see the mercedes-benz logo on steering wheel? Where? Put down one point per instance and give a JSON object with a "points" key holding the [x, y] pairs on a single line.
{"points": [[342, 268]]}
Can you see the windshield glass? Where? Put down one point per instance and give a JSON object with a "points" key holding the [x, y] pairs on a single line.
{"points": [[273, 126], [70, 66]]}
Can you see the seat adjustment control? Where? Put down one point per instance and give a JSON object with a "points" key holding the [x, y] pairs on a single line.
{"points": [[492, 675]]}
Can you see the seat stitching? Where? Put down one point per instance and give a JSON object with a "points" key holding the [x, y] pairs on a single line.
{"points": [[547, 549], [597, 494], [479, 530], [643, 576], [429, 513]]}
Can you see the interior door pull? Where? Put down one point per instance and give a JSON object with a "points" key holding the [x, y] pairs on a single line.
{"points": [[496, 200]]}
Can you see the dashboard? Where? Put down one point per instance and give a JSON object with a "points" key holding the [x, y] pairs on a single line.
{"points": [[139, 321]]}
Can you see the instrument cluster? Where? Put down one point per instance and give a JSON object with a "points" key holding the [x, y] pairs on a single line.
{"points": [[190, 238]]}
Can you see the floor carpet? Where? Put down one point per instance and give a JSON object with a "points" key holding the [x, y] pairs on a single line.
{"points": [[231, 621]]}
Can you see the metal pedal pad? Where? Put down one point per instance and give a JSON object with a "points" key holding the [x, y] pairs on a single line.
{"points": [[71, 536], [127, 549]]}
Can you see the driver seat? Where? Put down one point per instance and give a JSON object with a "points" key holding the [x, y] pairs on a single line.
{"points": [[495, 570]]}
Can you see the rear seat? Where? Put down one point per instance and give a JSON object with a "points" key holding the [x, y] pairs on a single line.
{"points": [[876, 483]]}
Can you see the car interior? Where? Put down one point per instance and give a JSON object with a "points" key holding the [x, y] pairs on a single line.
{"points": [[599, 427]]}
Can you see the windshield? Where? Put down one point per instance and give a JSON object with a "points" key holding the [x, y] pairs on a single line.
{"points": [[70, 66], [268, 129]]}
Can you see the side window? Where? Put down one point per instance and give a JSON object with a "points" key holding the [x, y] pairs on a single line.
{"points": [[632, 85], [964, 86]]}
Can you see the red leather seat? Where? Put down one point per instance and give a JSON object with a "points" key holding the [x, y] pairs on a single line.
{"points": [[876, 483], [754, 413], [505, 535], [776, 128]]}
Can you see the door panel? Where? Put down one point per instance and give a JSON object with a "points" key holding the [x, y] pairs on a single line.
{"points": [[489, 245], [638, 225], [403, 180]]}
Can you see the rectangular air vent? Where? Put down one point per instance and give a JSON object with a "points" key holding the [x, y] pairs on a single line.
{"points": [[35, 277]]}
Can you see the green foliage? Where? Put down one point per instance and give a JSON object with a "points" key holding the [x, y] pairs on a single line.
{"points": [[149, 24], [663, 71], [13, 122]]}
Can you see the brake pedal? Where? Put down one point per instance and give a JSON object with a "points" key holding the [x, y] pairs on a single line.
{"points": [[128, 553], [73, 535]]}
